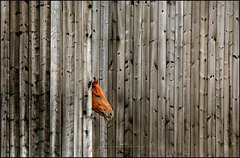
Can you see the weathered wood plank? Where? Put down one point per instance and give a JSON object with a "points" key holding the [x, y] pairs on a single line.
{"points": [[34, 70], [194, 101], [68, 79], [95, 70], [5, 73], [119, 114], [14, 79], [186, 76], [111, 124], [226, 107], [146, 78], [87, 71], [178, 110], [78, 82], [219, 78], [137, 63], [112, 78], [44, 109], [235, 81], [56, 79], [162, 52], [103, 68], [24, 80], [128, 78], [153, 111], [203, 78], [211, 80], [170, 80]]}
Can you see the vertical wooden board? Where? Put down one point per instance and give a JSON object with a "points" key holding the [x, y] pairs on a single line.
{"points": [[103, 67], [23, 80], [194, 101], [186, 76], [153, 111], [110, 125], [162, 51], [34, 69], [226, 107], [230, 74], [170, 80], [145, 80], [56, 79], [113, 78], [203, 78], [95, 71], [235, 81], [78, 82], [178, 110], [44, 109], [5, 73], [68, 79], [137, 62], [14, 79], [87, 72], [219, 78], [119, 114], [128, 72], [211, 79]]}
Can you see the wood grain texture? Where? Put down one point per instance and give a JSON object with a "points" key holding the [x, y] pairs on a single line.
{"points": [[153, 68], [24, 80], [45, 71], [14, 78], [211, 117], [78, 81], [162, 52], [68, 79], [137, 63], [34, 71], [203, 78], [186, 76], [56, 79], [5, 73], [194, 101]]}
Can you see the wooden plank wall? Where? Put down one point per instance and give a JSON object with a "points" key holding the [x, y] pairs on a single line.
{"points": [[170, 71]]}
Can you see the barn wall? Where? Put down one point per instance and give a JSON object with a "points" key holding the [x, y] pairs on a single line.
{"points": [[170, 71]]}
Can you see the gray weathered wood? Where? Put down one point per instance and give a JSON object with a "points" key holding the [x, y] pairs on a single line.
{"points": [[68, 79], [219, 78], [145, 79], [153, 111], [5, 73], [56, 79], [87, 73], [211, 79], [226, 119], [78, 81], [44, 109], [23, 80], [203, 78], [34, 70], [95, 70], [119, 114], [186, 76], [235, 81], [103, 67], [137, 63], [162, 51], [14, 79], [194, 101], [178, 110], [170, 80], [128, 72]]}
